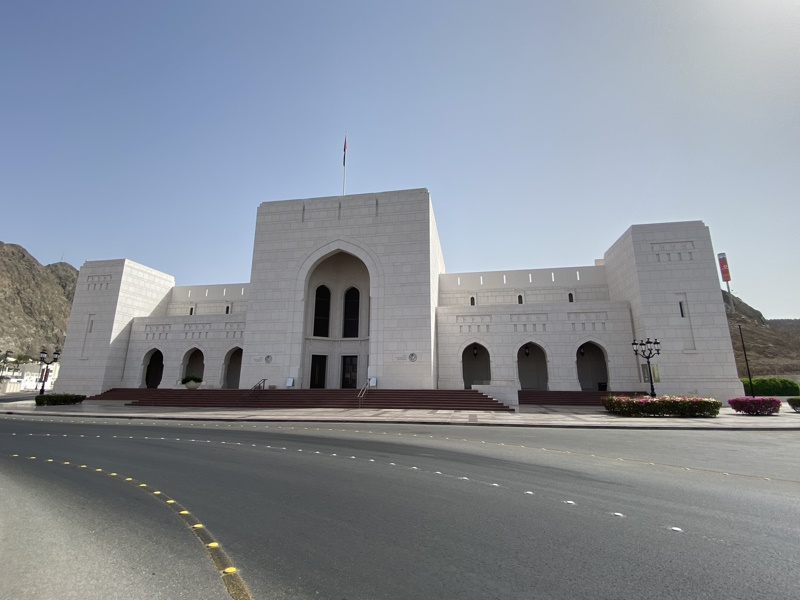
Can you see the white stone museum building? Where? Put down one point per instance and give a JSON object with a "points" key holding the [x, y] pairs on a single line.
{"points": [[349, 289]]}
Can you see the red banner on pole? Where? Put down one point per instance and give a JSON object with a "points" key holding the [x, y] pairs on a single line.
{"points": [[723, 267]]}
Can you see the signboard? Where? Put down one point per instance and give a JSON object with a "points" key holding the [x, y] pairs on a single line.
{"points": [[723, 267]]}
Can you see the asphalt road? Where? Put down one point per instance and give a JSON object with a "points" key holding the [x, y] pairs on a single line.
{"points": [[381, 511]]}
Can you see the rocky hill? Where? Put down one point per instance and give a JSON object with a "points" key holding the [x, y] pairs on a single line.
{"points": [[790, 326], [35, 301], [772, 348]]}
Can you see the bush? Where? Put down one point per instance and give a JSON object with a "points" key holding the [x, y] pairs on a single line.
{"points": [[662, 406], [189, 378], [59, 399], [756, 406], [794, 403], [771, 386]]}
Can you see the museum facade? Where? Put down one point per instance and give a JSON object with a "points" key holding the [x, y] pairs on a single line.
{"points": [[347, 290]]}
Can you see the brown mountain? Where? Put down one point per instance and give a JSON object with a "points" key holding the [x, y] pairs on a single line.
{"points": [[790, 326], [771, 348], [35, 301]]}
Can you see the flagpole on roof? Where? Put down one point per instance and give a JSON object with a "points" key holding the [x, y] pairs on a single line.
{"points": [[344, 165]]}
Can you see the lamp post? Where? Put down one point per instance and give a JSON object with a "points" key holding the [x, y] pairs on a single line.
{"points": [[43, 360], [647, 350]]}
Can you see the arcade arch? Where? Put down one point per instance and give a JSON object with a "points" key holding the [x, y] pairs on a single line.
{"points": [[153, 370], [591, 364], [532, 367], [231, 369], [476, 366], [193, 363]]}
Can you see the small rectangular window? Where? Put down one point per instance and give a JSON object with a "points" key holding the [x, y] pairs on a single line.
{"points": [[680, 306]]}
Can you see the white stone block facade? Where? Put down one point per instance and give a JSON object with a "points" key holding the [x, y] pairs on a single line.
{"points": [[348, 288]]}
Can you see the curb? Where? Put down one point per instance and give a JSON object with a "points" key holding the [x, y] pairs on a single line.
{"points": [[413, 422]]}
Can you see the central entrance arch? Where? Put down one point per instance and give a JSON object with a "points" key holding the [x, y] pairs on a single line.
{"points": [[336, 323]]}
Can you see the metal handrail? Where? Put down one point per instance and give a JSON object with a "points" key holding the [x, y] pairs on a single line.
{"points": [[259, 386], [363, 392]]}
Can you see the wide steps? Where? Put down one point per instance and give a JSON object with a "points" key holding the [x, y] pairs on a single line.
{"points": [[299, 399]]}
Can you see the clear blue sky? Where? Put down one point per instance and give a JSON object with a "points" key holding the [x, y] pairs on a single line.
{"points": [[543, 130]]}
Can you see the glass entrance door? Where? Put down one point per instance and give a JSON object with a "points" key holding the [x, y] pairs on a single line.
{"points": [[319, 364], [349, 372]]}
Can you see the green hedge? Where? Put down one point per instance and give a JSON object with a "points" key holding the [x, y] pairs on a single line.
{"points": [[794, 403], [58, 399], [771, 386], [662, 406]]}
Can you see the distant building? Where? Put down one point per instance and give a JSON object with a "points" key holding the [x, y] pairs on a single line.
{"points": [[23, 377], [343, 289]]}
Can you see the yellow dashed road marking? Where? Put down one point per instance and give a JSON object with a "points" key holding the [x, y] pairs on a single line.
{"points": [[229, 574]]}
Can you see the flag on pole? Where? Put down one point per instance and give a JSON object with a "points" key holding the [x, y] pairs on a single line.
{"points": [[344, 159]]}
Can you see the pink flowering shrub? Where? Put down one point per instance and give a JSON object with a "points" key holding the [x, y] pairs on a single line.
{"points": [[757, 405], [662, 406]]}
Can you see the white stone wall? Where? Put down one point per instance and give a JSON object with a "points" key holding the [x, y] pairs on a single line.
{"points": [[437, 269], [390, 233], [656, 281], [108, 295], [220, 299], [175, 337], [558, 328], [534, 285], [657, 269]]}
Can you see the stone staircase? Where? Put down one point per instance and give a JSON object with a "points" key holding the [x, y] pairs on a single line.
{"points": [[306, 398]]}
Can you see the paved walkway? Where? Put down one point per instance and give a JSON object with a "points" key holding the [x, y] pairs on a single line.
{"points": [[529, 416]]}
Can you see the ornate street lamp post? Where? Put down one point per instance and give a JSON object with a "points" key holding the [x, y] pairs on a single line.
{"points": [[43, 360], [647, 350]]}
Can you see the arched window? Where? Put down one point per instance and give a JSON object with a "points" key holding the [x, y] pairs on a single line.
{"points": [[519, 299], [227, 310], [472, 300], [350, 325], [322, 311], [571, 297], [191, 311]]}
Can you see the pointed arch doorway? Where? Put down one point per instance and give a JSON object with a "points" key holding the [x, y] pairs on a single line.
{"points": [[232, 368], [590, 362], [154, 369], [532, 367], [476, 366], [336, 339]]}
